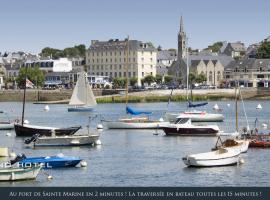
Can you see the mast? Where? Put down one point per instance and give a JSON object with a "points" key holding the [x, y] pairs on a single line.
{"points": [[236, 108], [187, 68], [24, 91], [127, 57], [86, 82]]}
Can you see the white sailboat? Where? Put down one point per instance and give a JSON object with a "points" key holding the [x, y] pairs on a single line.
{"points": [[82, 99]]}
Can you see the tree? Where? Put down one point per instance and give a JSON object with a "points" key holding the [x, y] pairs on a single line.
{"points": [[215, 47], [264, 50], [168, 79], [149, 79], [201, 78], [81, 48], [35, 75], [71, 52], [133, 81], [119, 82], [158, 79]]}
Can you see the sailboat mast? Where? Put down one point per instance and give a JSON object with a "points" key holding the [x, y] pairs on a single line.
{"points": [[24, 91], [236, 108], [86, 82], [187, 68], [127, 57]]}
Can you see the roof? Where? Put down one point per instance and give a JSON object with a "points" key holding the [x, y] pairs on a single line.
{"points": [[238, 46], [223, 59], [121, 45], [166, 55], [251, 63]]}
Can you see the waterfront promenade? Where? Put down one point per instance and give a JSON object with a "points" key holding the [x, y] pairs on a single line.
{"points": [[108, 96]]}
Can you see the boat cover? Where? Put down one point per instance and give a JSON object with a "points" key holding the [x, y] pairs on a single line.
{"points": [[136, 112]]}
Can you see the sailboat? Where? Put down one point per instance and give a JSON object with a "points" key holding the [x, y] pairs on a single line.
{"points": [[240, 144], [24, 129], [194, 115], [82, 97], [133, 122]]}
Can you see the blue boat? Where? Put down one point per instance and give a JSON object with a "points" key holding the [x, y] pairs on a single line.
{"points": [[51, 161]]}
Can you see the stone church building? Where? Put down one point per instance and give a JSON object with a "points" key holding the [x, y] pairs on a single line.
{"points": [[210, 64]]}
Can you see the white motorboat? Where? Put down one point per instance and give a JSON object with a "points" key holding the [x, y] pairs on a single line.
{"points": [[6, 125], [16, 174], [82, 99], [220, 157], [134, 123], [184, 127], [196, 116], [66, 140]]}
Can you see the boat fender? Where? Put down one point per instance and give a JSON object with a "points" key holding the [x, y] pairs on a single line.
{"points": [[50, 177], [241, 161], [98, 142], [83, 163], [12, 154], [8, 134]]}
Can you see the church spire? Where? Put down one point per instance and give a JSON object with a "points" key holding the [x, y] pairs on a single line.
{"points": [[181, 25]]}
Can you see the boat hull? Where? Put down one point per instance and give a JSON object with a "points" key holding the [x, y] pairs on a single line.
{"points": [[80, 109], [19, 174], [28, 131], [6, 126], [51, 162], [133, 125], [172, 117], [221, 157], [67, 140], [174, 131]]}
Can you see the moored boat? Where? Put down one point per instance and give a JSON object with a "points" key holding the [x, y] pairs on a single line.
{"points": [[134, 123], [196, 116], [67, 140], [16, 174], [184, 127], [220, 157], [30, 130]]}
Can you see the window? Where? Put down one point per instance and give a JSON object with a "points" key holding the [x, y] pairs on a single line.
{"points": [[120, 74], [125, 74], [97, 67], [120, 67], [101, 73], [110, 74], [210, 77], [110, 67], [142, 74], [129, 74], [134, 60], [115, 74], [134, 74]]}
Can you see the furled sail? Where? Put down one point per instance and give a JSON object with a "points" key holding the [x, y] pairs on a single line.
{"points": [[135, 112], [192, 105], [82, 94]]}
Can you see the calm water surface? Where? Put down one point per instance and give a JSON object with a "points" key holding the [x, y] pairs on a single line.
{"points": [[140, 158]]}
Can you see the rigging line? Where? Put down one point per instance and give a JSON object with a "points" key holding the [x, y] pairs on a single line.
{"points": [[244, 109]]}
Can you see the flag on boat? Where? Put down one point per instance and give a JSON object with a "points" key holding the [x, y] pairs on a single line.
{"points": [[136, 112], [29, 84]]}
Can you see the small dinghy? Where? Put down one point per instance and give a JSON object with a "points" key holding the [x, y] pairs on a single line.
{"points": [[220, 157], [47, 162], [16, 174]]}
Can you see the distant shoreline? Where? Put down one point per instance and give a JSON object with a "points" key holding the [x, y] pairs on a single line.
{"points": [[63, 96]]}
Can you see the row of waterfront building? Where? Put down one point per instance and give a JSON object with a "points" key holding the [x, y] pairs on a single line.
{"points": [[106, 60]]}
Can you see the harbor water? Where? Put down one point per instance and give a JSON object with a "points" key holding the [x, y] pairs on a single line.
{"points": [[139, 157]]}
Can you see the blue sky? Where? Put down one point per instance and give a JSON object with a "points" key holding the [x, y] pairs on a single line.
{"points": [[30, 25]]}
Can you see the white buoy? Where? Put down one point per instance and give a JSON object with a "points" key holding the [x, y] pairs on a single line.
{"points": [[241, 161], [259, 106], [50, 177], [98, 142], [161, 119], [26, 121], [264, 125], [228, 105], [83, 163], [46, 108], [216, 107], [12, 154], [8, 134], [99, 126]]}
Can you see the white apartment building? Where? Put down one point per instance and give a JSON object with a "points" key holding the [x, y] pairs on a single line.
{"points": [[110, 58]]}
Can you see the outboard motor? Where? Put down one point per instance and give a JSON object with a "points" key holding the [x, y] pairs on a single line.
{"points": [[32, 139], [18, 158]]}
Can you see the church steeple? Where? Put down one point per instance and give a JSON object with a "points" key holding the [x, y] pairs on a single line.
{"points": [[181, 24], [181, 41]]}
